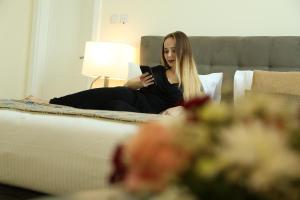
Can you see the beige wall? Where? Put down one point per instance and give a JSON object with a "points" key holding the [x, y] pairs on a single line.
{"points": [[70, 26], [66, 28], [15, 23], [200, 17]]}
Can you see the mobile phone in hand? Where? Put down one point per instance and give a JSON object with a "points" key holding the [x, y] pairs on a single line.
{"points": [[147, 69]]}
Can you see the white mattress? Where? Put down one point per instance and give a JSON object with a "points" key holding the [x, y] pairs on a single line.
{"points": [[57, 154]]}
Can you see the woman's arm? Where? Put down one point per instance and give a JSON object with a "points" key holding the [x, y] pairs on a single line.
{"points": [[134, 83], [143, 80]]}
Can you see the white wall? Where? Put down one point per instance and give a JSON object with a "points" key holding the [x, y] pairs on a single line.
{"points": [[15, 26], [65, 28], [70, 26], [200, 17]]}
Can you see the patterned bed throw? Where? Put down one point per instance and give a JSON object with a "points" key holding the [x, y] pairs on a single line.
{"points": [[29, 106]]}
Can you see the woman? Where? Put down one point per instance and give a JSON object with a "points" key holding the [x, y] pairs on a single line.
{"points": [[141, 94]]}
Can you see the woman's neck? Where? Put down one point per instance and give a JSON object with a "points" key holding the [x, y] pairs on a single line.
{"points": [[171, 75], [173, 69]]}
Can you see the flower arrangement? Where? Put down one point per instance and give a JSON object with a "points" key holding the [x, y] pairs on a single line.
{"points": [[250, 150]]}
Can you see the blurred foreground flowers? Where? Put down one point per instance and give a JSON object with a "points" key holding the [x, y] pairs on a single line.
{"points": [[217, 151]]}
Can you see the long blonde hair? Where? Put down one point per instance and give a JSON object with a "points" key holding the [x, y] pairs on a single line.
{"points": [[186, 70]]}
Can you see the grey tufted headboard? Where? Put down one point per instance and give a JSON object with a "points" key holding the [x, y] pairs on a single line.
{"points": [[230, 53]]}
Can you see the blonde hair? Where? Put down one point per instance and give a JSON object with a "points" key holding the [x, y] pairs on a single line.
{"points": [[186, 70]]}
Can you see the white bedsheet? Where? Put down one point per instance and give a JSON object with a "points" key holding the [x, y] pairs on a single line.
{"points": [[57, 154]]}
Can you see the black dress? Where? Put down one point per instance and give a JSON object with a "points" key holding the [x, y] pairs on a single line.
{"points": [[152, 99]]}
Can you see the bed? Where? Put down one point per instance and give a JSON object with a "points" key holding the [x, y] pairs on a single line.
{"points": [[45, 150], [56, 149]]}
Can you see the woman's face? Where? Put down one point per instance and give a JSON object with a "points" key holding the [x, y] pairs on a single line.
{"points": [[170, 51]]}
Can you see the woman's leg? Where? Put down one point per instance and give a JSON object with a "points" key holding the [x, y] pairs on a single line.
{"points": [[97, 98], [119, 105]]}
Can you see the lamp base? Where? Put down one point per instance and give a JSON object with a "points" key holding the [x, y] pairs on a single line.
{"points": [[105, 83]]}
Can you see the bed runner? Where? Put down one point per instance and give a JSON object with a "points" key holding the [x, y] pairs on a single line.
{"points": [[29, 106]]}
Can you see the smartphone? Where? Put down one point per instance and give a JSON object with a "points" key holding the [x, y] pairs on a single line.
{"points": [[147, 69]]}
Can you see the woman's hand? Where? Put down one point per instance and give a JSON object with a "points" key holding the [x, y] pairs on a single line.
{"points": [[146, 79], [174, 111], [138, 82]]}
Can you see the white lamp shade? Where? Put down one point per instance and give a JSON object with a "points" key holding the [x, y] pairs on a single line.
{"points": [[107, 59]]}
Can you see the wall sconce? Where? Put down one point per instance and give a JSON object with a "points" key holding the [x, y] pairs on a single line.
{"points": [[108, 60]]}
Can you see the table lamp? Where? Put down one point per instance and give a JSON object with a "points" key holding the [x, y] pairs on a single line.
{"points": [[107, 59]]}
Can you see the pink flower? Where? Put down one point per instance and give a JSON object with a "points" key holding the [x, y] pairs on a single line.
{"points": [[153, 159]]}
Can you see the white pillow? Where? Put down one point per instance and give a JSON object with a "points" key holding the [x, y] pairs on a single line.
{"points": [[212, 84], [242, 81]]}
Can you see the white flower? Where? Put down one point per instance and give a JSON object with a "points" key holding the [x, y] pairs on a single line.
{"points": [[174, 193], [214, 113], [265, 152]]}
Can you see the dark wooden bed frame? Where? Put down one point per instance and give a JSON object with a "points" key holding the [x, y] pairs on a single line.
{"points": [[15, 193]]}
